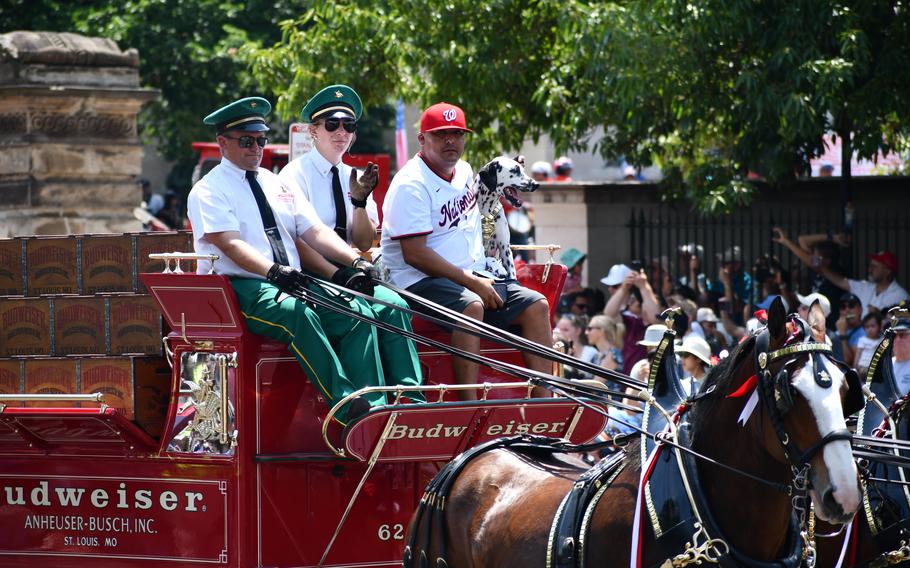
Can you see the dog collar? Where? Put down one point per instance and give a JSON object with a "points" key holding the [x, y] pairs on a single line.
{"points": [[488, 222]]}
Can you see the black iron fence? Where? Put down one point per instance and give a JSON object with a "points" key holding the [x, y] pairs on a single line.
{"points": [[656, 234]]}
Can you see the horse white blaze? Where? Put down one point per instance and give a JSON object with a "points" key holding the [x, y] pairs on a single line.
{"points": [[829, 416]]}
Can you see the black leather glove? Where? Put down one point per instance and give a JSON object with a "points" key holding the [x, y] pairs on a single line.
{"points": [[363, 187], [352, 279], [288, 280], [366, 267]]}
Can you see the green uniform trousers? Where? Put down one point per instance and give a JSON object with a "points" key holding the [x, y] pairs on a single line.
{"points": [[338, 353]]}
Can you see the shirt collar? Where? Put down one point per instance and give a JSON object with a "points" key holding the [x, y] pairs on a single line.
{"points": [[232, 169], [448, 178], [322, 165]]}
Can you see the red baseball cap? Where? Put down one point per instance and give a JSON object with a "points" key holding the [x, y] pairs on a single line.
{"points": [[885, 257], [443, 116]]}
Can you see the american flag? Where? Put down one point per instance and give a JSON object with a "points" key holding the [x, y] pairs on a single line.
{"points": [[401, 137]]}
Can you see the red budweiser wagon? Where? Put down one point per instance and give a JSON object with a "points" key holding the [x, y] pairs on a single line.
{"points": [[216, 450]]}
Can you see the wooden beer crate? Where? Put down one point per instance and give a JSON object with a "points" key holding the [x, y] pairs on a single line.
{"points": [[138, 387], [11, 257], [52, 265], [135, 325], [148, 243], [112, 376], [107, 263], [11, 376], [152, 380], [79, 326], [25, 327], [51, 376]]}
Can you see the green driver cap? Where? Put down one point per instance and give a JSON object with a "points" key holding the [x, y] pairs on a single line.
{"points": [[247, 115], [338, 101]]}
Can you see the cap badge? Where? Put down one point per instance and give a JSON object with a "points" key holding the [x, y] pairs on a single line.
{"points": [[338, 94], [253, 104], [449, 114]]}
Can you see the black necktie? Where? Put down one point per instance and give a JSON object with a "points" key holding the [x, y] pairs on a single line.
{"points": [[341, 212], [279, 255]]}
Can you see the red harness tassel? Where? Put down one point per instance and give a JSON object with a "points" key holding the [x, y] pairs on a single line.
{"points": [[746, 388]]}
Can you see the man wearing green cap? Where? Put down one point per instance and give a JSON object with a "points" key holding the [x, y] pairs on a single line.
{"points": [[262, 230], [344, 202]]}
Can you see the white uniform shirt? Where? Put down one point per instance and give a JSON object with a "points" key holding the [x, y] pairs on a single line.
{"points": [[419, 202], [223, 201], [901, 375], [312, 175], [865, 291]]}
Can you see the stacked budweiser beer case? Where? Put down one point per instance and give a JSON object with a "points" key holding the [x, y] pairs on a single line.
{"points": [[76, 319]]}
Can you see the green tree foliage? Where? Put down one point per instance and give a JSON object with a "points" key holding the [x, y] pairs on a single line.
{"points": [[709, 90]]}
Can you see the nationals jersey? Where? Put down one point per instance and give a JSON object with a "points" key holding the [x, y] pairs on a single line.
{"points": [[223, 201], [419, 202]]}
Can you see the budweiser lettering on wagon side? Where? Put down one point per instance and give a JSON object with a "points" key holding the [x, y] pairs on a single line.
{"points": [[113, 516]]}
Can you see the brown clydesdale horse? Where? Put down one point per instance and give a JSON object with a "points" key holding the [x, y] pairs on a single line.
{"points": [[499, 509]]}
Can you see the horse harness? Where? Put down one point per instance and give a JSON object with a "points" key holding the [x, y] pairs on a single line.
{"points": [[431, 509], [886, 506], [674, 485], [565, 547]]}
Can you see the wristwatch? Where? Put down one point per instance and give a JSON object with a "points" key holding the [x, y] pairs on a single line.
{"points": [[361, 203]]}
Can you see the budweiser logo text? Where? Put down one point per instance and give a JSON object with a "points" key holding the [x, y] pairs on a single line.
{"points": [[107, 253], [442, 431], [43, 495], [51, 255], [24, 314]]}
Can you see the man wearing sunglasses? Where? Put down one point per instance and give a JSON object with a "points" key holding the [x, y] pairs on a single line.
{"points": [[262, 231], [344, 202]]}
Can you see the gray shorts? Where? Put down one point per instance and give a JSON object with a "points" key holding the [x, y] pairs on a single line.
{"points": [[457, 297]]}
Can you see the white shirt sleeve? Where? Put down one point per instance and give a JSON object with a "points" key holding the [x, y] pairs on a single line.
{"points": [[372, 210], [407, 211], [212, 211]]}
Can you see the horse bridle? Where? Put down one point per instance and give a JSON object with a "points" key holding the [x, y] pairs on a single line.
{"points": [[779, 394]]}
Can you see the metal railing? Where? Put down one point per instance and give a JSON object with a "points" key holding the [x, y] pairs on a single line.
{"points": [[657, 233]]}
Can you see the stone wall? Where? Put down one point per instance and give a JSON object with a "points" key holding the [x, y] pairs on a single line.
{"points": [[69, 147]]}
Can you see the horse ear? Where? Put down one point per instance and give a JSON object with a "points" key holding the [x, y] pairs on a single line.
{"points": [[817, 321], [488, 174], [777, 318]]}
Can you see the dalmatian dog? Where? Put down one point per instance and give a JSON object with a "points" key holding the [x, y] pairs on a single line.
{"points": [[502, 177]]}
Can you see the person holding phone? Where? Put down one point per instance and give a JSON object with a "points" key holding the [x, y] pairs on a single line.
{"points": [[344, 202], [820, 254]]}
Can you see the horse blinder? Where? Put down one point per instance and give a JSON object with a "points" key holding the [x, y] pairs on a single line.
{"points": [[783, 392], [855, 400]]}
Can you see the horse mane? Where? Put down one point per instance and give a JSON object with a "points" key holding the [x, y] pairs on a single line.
{"points": [[719, 377]]}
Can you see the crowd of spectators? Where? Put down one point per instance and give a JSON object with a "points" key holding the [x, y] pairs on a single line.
{"points": [[619, 328], [164, 212]]}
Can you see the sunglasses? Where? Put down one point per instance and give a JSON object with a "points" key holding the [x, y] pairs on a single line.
{"points": [[247, 141], [593, 327], [332, 124], [849, 304]]}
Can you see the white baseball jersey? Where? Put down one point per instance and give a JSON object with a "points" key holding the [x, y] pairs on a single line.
{"points": [[312, 175], [419, 202], [223, 201], [869, 296]]}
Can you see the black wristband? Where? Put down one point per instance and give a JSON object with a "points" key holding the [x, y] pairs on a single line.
{"points": [[361, 203]]}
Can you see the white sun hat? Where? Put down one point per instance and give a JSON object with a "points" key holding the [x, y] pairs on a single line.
{"points": [[695, 345]]}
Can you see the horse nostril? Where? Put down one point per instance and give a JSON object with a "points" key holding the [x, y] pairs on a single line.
{"points": [[831, 505]]}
